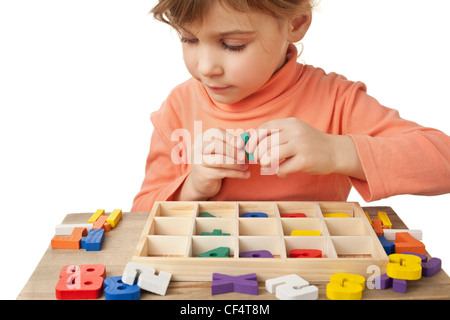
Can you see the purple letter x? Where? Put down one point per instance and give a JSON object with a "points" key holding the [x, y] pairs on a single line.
{"points": [[223, 283]]}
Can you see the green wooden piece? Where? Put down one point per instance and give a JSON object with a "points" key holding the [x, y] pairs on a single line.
{"points": [[246, 136], [216, 232], [206, 215], [220, 252]]}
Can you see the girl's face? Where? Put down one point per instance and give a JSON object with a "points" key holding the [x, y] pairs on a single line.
{"points": [[232, 53]]}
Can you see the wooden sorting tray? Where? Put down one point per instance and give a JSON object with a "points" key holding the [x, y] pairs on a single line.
{"points": [[171, 240]]}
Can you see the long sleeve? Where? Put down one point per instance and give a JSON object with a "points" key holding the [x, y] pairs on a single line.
{"points": [[398, 156]]}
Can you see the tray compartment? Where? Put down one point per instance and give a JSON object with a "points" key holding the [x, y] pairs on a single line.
{"points": [[319, 243], [176, 209], [273, 244], [209, 224], [354, 247], [291, 224], [171, 226], [259, 227], [348, 208], [308, 208], [200, 244], [167, 246], [346, 227], [265, 207], [218, 209]]}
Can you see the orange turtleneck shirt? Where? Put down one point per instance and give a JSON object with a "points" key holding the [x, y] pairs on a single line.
{"points": [[398, 156]]}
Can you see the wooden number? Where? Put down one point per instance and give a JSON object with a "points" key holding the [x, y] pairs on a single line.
{"points": [[146, 278], [406, 242]]}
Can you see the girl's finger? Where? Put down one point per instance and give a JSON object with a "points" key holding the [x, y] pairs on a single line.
{"points": [[269, 142], [222, 161], [273, 156], [262, 132], [219, 141], [220, 148]]}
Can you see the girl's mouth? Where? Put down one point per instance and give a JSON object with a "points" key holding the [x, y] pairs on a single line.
{"points": [[218, 89]]}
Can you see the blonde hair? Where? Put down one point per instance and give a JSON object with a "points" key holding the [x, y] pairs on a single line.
{"points": [[177, 13]]}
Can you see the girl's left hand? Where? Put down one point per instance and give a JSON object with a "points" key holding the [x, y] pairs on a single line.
{"points": [[295, 146]]}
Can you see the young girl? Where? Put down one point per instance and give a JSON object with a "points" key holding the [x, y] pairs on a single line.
{"points": [[312, 135]]}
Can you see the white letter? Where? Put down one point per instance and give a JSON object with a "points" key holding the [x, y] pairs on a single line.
{"points": [[198, 142], [184, 144], [274, 154], [370, 282]]}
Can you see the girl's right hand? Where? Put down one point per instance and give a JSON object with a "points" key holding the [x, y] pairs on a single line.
{"points": [[216, 154]]}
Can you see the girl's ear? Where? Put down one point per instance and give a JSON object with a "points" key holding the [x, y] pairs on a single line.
{"points": [[298, 26]]}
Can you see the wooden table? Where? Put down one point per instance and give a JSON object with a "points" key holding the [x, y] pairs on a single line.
{"points": [[120, 243]]}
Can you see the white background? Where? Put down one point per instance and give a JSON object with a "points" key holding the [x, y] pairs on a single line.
{"points": [[79, 79]]}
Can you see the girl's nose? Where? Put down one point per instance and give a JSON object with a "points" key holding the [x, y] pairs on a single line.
{"points": [[209, 64]]}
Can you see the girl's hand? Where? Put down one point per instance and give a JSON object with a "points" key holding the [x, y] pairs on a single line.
{"points": [[216, 154], [303, 149]]}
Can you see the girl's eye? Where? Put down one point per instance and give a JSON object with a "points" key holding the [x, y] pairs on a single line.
{"points": [[233, 48], [226, 46], [189, 40]]}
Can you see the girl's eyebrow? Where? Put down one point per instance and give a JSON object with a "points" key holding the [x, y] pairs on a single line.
{"points": [[236, 32], [226, 33]]}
